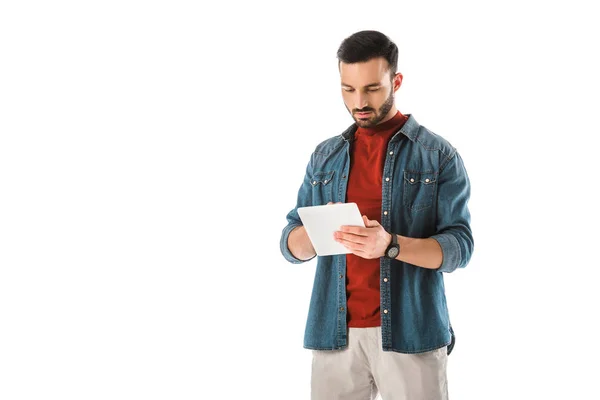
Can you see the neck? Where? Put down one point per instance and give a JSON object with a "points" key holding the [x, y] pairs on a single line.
{"points": [[389, 115]]}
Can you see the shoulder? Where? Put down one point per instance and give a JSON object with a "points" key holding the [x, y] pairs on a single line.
{"points": [[429, 140], [334, 143]]}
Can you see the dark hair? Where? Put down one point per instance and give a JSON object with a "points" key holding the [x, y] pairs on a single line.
{"points": [[365, 45]]}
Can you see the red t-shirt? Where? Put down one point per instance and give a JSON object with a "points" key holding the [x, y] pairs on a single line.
{"points": [[367, 158]]}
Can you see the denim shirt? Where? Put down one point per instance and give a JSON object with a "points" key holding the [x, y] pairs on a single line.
{"points": [[424, 195]]}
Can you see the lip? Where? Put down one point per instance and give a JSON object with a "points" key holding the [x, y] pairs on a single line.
{"points": [[363, 114]]}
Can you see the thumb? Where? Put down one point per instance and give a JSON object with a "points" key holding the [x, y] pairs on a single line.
{"points": [[370, 223]]}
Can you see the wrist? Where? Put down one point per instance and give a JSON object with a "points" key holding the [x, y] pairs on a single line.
{"points": [[393, 248]]}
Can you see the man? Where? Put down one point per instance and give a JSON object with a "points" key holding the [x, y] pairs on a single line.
{"points": [[378, 320]]}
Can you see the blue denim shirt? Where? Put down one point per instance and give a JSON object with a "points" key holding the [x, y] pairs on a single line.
{"points": [[426, 196]]}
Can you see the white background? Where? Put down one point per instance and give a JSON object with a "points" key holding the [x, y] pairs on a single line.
{"points": [[150, 151]]}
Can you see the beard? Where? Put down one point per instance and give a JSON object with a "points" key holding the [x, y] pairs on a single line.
{"points": [[377, 116]]}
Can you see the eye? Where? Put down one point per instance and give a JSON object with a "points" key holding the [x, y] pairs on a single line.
{"points": [[373, 90], [348, 90]]}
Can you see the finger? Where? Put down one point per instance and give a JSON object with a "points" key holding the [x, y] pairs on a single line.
{"points": [[357, 251], [361, 253], [371, 223], [349, 238], [355, 230], [351, 245]]}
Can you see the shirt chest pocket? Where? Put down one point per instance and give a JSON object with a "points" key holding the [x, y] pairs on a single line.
{"points": [[419, 189], [322, 184]]}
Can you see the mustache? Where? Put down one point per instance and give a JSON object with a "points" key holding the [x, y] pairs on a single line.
{"points": [[363, 110]]}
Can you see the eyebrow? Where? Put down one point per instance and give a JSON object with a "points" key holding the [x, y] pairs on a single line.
{"points": [[369, 85]]}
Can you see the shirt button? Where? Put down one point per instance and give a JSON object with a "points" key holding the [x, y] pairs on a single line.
{"points": [[341, 276], [341, 308], [385, 311], [314, 182], [391, 153], [385, 279], [325, 181], [344, 177], [426, 180], [412, 180], [385, 213], [387, 179]]}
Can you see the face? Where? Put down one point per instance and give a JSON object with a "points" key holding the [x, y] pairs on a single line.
{"points": [[368, 91]]}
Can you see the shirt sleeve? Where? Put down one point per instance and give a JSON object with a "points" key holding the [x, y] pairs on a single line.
{"points": [[304, 200], [453, 218]]}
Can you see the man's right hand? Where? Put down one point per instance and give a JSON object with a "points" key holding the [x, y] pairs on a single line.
{"points": [[300, 245]]}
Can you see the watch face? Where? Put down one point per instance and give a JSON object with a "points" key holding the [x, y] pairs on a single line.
{"points": [[393, 252]]}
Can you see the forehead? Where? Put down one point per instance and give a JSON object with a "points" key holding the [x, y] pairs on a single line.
{"points": [[364, 73]]}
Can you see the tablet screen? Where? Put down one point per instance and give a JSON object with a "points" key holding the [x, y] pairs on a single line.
{"points": [[321, 222]]}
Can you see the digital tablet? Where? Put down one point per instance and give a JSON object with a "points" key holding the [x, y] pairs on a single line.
{"points": [[321, 222]]}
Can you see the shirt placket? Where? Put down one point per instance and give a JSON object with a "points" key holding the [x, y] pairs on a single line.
{"points": [[342, 337], [386, 204]]}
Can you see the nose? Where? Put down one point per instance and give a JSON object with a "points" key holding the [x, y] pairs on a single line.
{"points": [[360, 101]]}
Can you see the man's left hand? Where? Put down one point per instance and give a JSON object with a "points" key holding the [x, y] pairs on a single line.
{"points": [[370, 242]]}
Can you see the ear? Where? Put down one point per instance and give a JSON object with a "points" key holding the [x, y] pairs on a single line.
{"points": [[397, 81]]}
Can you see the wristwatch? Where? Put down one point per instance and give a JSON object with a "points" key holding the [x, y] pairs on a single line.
{"points": [[393, 249]]}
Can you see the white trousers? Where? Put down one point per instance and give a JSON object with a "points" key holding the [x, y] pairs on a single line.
{"points": [[363, 370]]}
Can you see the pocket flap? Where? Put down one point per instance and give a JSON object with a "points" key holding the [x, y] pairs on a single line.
{"points": [[426, 178], [321, 178]]}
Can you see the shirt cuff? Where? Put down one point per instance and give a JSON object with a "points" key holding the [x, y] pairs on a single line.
{"points": [[450, 252], [284, 245]]}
